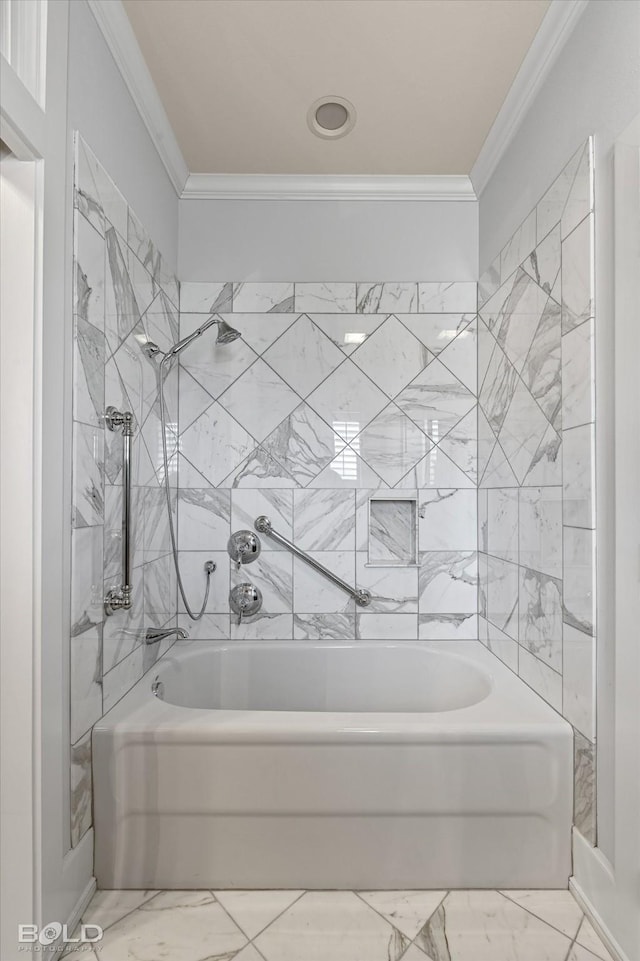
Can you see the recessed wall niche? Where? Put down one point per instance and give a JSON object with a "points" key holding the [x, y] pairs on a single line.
{"points": [[393, 531]]}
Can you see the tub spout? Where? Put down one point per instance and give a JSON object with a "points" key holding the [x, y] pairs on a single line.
{"points": [[152, 635]]}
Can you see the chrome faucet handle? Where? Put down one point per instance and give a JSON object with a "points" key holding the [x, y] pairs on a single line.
{"points": [[244, 547], [245, 599]]}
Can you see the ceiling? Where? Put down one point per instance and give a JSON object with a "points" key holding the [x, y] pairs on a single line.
{"points": [[427, 79]]}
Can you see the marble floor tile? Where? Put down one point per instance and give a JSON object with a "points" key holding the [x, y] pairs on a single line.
{"points": [[331, 926], [408, 911], [485, 926], [578, 953], [108, 907], [588, 938], [174, 926], [557, 908], [253, 911]]}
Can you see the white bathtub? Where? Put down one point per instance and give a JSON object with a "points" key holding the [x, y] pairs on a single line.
{"points": [[368, 765]]}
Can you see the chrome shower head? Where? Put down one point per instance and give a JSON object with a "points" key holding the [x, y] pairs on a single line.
{"points": [[226, 334]]}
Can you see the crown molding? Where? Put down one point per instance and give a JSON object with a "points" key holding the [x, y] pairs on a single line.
{"points": [[114, 23], [553, 33], [326, 187]]}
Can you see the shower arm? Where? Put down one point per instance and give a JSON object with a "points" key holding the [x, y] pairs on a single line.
{"points": [[119, 598], [361, 596]]}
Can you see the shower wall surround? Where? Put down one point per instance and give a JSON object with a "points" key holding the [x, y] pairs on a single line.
{"points": [[123, 295], [336, 392], [536, 460]]}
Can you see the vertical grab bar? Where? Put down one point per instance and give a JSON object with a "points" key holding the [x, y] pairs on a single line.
{"points": [[119, 598]]}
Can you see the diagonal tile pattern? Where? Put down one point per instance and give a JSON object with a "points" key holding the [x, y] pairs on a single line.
{"points": [[392, 340], [303, 356], [342, 926]]}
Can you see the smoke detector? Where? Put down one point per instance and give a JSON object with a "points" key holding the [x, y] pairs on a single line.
{"points": [[331, 117]]}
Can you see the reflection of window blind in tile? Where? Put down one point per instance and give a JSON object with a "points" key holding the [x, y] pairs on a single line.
{"points": [[346, 463]]}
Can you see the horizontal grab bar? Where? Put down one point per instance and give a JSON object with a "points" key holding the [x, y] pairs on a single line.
{"points": [[361, 596]]}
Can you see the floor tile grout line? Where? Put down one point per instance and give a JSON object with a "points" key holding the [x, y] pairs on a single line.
{"points": [[548, 923], [132, 911]]}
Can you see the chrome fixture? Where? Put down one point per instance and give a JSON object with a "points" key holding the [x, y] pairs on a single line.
{"points": [[157, 688], [245, 599], [361, 596], [244, 548], [152, 635], [226, 335], [119, 598]]}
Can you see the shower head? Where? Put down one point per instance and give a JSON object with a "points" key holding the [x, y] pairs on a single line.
{"points": [[226, 334]]}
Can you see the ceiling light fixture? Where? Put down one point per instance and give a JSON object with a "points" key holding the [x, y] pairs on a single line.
{"points": [[331, 117]]}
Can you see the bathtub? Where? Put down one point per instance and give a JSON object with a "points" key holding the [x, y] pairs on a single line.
{"points": [[373, 765]]}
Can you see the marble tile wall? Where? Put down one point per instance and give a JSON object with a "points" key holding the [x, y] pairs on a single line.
{"points": [[536, 432], [123, 295], [336, 392]]}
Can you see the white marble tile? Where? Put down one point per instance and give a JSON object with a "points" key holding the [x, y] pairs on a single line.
{"points": [[557, 908], [493, 310], [498, 387], [108, 907], [436, 331], [447, 520], [324, 520], [500, 644], [578, 681], [540, 602], [89, 354], [451, 298], [348, 331], [338, 298], [580, 200], [413, 953], [259, 470], [372, 298], [502, 595], [546, 466], [550, 208], [485, 926], [483, 520], [498, 472], [216, 444], [189, 476], [331, 926], [578, 568], [81, 789], [486, 442], [541, 371], [210, 627], [86, 196], [159, 591], [384, 627], [205, 298], [584, 787], [259, 331], [448, 627], [461, 357], [541, 529], [313, 593], [461, 444], [88, 476], [176, 926], [543, 265], [121, 678], [161, 322], [263, 298], [489, 281], [408, 911], [253, 911], [89, 273], [436, 400], [392, 357], [193, 399], [204, 519], [347, 400], [262, 627], [588, 938], [325, 627], [518, 247], [304, 356], [578, 953], [392, 444], [522, 432], [544, 680], [86, 584], [393, 589], [577, 275], [516, 323], [304, 445], [195, 580], [578, 381], [272, 573], [388, 529], [502, 523], [578, 502], [123, 632], [214, 366], [448, 582], [247, 505], [435, 469]]}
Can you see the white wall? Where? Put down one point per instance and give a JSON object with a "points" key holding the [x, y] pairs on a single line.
{"points": [[594, 88], [101, 108], [327, 240]]}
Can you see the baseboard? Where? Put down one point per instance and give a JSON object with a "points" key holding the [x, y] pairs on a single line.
{"points": [[57, 948], [593, 876]]}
